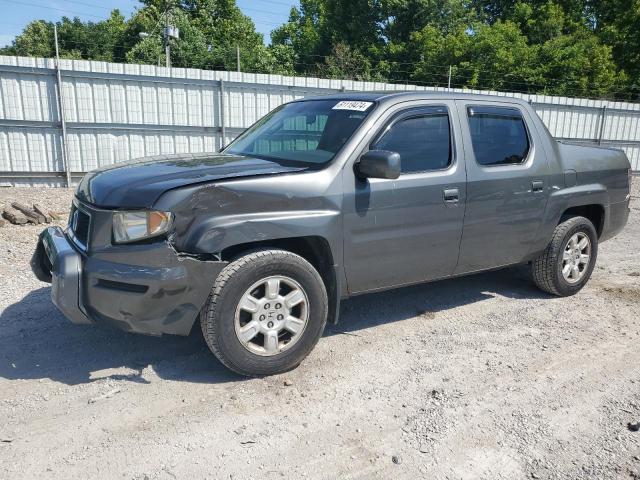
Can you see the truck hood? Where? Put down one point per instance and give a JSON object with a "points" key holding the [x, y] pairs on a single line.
{"points": [[139, 183]]}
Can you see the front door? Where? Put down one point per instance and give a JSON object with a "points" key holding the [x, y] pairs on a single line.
{"points": [[507, 184], [407, 230]]}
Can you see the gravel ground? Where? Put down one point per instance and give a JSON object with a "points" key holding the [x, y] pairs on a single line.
{"points": [[478, 377]]}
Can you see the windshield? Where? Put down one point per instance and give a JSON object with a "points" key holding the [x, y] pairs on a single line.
{"points": [[310, 132]]}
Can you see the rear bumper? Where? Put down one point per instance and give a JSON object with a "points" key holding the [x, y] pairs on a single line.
{"points": [[616, 216], [149, 289]]}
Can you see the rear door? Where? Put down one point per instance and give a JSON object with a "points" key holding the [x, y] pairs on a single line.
{"points": [[507, 184], [407, 230]]}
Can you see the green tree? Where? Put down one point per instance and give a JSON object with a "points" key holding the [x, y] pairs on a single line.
{"points": [[225, 27], [92, 40], [36, 40], [210, 32], [404, 17], [76, 39], [345, 62], [190, 50], [303, 33], [330, 36], [618, 25], [577, 65], [495, 57], [569, 47]]}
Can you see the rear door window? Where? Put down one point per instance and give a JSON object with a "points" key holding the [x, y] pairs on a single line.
{"points": [[498, 134], [423, 140]]}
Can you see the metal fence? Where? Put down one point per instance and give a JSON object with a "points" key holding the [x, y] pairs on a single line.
{"points": [[89, 114]]}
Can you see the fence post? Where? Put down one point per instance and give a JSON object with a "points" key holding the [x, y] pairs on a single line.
{"points": [[603, 119], [60, 102], [223, 129]]}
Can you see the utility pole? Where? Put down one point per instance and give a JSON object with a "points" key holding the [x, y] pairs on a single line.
{"points": [[168, 33], [167, 48], [449, 83], [238, 56], [65, 153], [167, 51]]}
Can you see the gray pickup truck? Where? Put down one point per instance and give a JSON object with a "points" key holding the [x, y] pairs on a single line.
{"points": [[322, 199]]}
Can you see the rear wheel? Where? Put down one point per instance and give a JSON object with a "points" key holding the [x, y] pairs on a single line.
{"points": [[568, 261], [266, 312]]}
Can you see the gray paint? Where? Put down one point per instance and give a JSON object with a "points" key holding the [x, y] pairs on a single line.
{"points": [[402, 231], [503, 211], [381, 233]]}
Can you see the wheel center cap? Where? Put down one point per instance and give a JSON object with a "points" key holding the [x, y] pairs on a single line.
{"points": [[272, 313]]}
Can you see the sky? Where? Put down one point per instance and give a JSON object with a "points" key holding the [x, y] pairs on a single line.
{"points": [[266, 14]]}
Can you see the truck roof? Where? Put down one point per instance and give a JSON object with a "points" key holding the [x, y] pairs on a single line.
{"points": [[386, 96]]}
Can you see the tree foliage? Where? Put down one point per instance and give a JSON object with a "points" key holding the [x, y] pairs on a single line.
{"points": [[210, 32], [568, 47]]}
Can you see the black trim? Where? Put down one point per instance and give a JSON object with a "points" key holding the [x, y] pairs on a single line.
{"points": [[499, 111], [82, 241], [512, 112], [412, 112], [121, 286]]}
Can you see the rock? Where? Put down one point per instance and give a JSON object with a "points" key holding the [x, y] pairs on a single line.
{"points": [[634, 427], [28, 212], [42, 212], [396, 459], [288, 383], [14, 216]]}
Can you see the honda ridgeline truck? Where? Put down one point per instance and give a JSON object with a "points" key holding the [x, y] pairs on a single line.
{"points": [[322, 199]]}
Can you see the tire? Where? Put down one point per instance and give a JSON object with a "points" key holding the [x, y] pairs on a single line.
{"points": [[252, 278], [547, 269]]}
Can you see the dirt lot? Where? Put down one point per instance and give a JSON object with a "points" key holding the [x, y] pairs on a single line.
{"points": [[480, 377]]}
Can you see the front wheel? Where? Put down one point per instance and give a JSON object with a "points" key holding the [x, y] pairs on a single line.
{"points": [[568, 261], [266, 312]]}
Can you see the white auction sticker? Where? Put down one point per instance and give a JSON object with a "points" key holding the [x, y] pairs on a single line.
{"points": [[352, 105]]}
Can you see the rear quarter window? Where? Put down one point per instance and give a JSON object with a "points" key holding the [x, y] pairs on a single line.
{"points": [[498, 134]]}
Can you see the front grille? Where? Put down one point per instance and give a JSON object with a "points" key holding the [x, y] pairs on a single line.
{"points": [[79, 224]]}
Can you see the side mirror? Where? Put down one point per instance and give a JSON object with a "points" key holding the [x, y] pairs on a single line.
{"points": [[379, 164]]}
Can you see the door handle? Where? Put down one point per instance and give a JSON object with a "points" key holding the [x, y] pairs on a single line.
{"points": [[451, 195], [537, 186]]}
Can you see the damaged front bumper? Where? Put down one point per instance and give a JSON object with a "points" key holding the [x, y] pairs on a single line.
{"points": [[148, 288]]}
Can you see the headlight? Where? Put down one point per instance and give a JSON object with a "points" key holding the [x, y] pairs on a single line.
{"points": [[138, 225]]}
